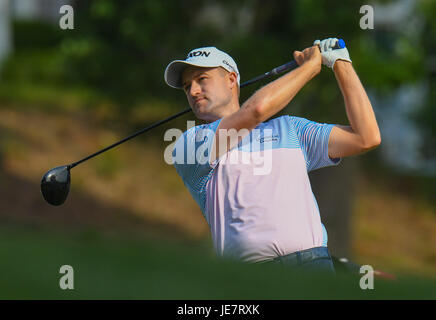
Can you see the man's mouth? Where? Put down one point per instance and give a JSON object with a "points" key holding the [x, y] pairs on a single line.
{"points": [[198, 100]]}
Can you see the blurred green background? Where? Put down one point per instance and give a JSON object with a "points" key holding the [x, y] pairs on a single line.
{"points": [[129, 227]]}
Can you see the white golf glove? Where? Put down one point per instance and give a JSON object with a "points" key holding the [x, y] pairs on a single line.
{"points": [[330, 55]]}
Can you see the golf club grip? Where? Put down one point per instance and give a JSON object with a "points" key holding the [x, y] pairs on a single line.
{"points": [[280, 69], [285, 67], [340, 44], [251, 81]]}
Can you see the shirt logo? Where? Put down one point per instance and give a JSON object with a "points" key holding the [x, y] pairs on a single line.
{"points": [[271, 138]]}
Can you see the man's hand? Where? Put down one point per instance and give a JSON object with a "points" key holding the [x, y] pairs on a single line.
{"points": [[330, 55], [310, 55]]}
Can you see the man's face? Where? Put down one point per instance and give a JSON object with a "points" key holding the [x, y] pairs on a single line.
{"points": [[208, 91]]}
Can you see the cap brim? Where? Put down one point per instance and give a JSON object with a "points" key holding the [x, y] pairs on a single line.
{"points": [[174, 71]]}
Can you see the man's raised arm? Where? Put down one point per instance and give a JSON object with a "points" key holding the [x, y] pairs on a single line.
{"points": [[271, 98], [363, 133]]}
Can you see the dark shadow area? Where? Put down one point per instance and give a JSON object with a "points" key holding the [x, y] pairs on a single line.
{"points": [[333, 188]]}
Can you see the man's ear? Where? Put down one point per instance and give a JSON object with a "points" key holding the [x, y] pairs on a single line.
{"points": [[233, 80]]}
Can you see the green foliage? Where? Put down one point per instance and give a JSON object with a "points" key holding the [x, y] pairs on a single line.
{"points": [[37, 66], [129, 267], [29, 35], [119, 49], [426, 116]]}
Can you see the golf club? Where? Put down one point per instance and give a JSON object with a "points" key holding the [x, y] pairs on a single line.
{"points": [[55, 183]]}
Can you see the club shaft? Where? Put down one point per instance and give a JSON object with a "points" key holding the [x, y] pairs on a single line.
{"points": [[280, 69]]}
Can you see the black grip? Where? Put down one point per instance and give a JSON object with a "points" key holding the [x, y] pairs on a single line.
{"points": [[285, 67]]}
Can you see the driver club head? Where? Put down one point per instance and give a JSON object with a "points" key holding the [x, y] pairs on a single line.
{"points": [[55, 185]]}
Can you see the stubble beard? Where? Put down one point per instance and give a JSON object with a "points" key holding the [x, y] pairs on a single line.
{"points": [[212, 111]]}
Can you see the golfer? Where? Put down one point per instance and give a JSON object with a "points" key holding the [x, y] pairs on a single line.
{"points": [[269, 213]]}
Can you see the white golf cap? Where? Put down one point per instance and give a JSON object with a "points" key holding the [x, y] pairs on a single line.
{"points": [[201, 57]]}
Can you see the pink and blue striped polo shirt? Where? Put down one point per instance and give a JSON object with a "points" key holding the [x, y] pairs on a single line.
{"points": [[257, 197]]}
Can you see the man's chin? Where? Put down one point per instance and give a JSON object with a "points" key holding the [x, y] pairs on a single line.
{"points": [[204, 115], [201, 110]]}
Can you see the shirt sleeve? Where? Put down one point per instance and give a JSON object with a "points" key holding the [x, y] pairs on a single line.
{"points": [[191, 157], [314, 140]]}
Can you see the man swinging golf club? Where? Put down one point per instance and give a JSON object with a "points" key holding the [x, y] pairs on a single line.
{"points": [[272, 215]]}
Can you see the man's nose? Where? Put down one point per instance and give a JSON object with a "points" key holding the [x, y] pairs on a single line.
{"points": [[195, 89]]}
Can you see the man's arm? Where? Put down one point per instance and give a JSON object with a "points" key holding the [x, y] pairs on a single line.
{"points": [[363, 133], [270, 99]]}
